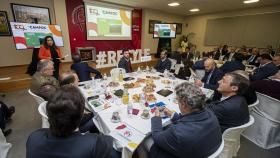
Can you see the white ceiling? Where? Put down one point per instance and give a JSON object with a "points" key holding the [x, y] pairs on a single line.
{"points": [[205, 6]]}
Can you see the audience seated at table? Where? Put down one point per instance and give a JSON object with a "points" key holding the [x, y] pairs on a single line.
{"points": [[211, 77], [5, 117], [249, 94], [253, 58], [83, 70], [266, 68], [230, 54], [194, 52], [193, 133], [125, 62], [43, 83], [185, 70], [163, 63], [270, 87], [232, 109], [65, 110], [270, 50], [276, 60], [234, 64], [216, 53], [86, 124]]}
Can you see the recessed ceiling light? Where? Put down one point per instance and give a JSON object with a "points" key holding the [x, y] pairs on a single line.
{"points": [[194, 10], [250, 1], [173, 4]]}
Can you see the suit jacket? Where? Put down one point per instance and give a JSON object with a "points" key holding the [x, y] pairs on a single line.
{"points": [[162, 65], [43, 144], [278, 66], [267, 87], [195, 135], [230, 66], [43, 86], [253, 61], [264, 71], [187, 56], [213, 82], [198, 65], [123, 63], [83, 71], [45, 53], [231, 112]]}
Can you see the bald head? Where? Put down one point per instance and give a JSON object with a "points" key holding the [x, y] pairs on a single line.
{"points": [[209, 64]]}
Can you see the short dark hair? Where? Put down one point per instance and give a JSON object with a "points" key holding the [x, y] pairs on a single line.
{"points": [[125, 50], [76, 58], [240, 81], [65, 110], [238, 57], [266, 56], [66, 78]]}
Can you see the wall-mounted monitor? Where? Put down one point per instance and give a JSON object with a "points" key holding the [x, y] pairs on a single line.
{"points": [[164, 31], [87, 53], [29, 36]]}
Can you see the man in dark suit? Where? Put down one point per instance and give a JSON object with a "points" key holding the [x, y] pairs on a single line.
{"points": [[83, 70], [266, 68], [184, 136], [268, 87], [125, 62], [65, 110], [229, 56], [235, 64], [232, 109], [253, 58], [211, 77], [163, 63], [276, 61]]}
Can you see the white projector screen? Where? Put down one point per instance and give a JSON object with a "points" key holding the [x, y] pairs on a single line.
{"points": [[107, 21]]}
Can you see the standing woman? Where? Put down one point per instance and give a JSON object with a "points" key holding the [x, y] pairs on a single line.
{"points": [[50, 51]]}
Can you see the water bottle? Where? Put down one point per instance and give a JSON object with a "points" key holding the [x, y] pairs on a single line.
{"points": [[105, 76], [129, 109]]}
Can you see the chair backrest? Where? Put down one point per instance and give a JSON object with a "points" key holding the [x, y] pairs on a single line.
{"points": [[218, 151], [37, 98], [173, 63], [43, 112], [250, 107], [234, 132], [269, 106], [200, 73]]}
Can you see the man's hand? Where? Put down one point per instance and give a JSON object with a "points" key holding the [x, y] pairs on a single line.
{"points": [[168, 112], [198, 83], [157, 114]]}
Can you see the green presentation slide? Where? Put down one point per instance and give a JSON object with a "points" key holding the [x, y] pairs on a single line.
{"points": [[164, 32], [107, 27], [33, 38]]}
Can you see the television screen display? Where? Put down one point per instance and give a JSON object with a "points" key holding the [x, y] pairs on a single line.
{"points": [[165, 31]]}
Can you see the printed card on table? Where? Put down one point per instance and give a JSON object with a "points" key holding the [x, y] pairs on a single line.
{"points": [[98, 105]]}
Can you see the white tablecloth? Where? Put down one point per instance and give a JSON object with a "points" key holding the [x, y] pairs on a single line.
{"points": [[139, 127]]}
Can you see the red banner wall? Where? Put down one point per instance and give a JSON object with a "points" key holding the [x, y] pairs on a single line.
{"points": [[78, 35]]}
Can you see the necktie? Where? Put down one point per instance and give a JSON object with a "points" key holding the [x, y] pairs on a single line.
{"points": [[208, 78]]}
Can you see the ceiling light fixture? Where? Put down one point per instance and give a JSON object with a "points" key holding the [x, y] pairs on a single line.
{"points": [[173, 4], [194, 10], [250, 1]]}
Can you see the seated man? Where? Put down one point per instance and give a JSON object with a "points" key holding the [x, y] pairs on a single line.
{"points": [[184, 136], [83, 70], [268, 87], [86, 124], [235, 64], [65, 110], [211, 77], [163, 63], [5, 116], [253, 58], [266, 68], [125, 62], [43, 83], [232, 109]]}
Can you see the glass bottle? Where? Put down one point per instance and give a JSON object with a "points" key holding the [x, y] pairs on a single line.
{"points": [[125, 97], [120, 76]]}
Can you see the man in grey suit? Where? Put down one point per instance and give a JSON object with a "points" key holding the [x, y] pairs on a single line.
{"points": [[232, 109], [193, 133]]}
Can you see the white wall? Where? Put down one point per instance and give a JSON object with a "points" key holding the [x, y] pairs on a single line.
{"points": [[147, 39], [197, 24]]}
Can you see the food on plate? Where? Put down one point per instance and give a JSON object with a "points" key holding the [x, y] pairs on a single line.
{"points": [[141, 80], [165, 81], [145, 114], [150, 98], [153, 77], [114, 84], [131, 85], [136, 98], [148, 89]]}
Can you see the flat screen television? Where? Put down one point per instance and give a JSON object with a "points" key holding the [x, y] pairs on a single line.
{"points": [[164, 31], [29, 36]]}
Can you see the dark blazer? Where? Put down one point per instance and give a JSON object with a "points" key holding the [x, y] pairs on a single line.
{"points": [[83, 71], [123, 63], [194, 135], [267, 87], [231, 112], [230, 66], [213, 82], [187, 56], [198, 65], [161, 66], [254, 61], [43, 144], [264, 71], [278, 66]]}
